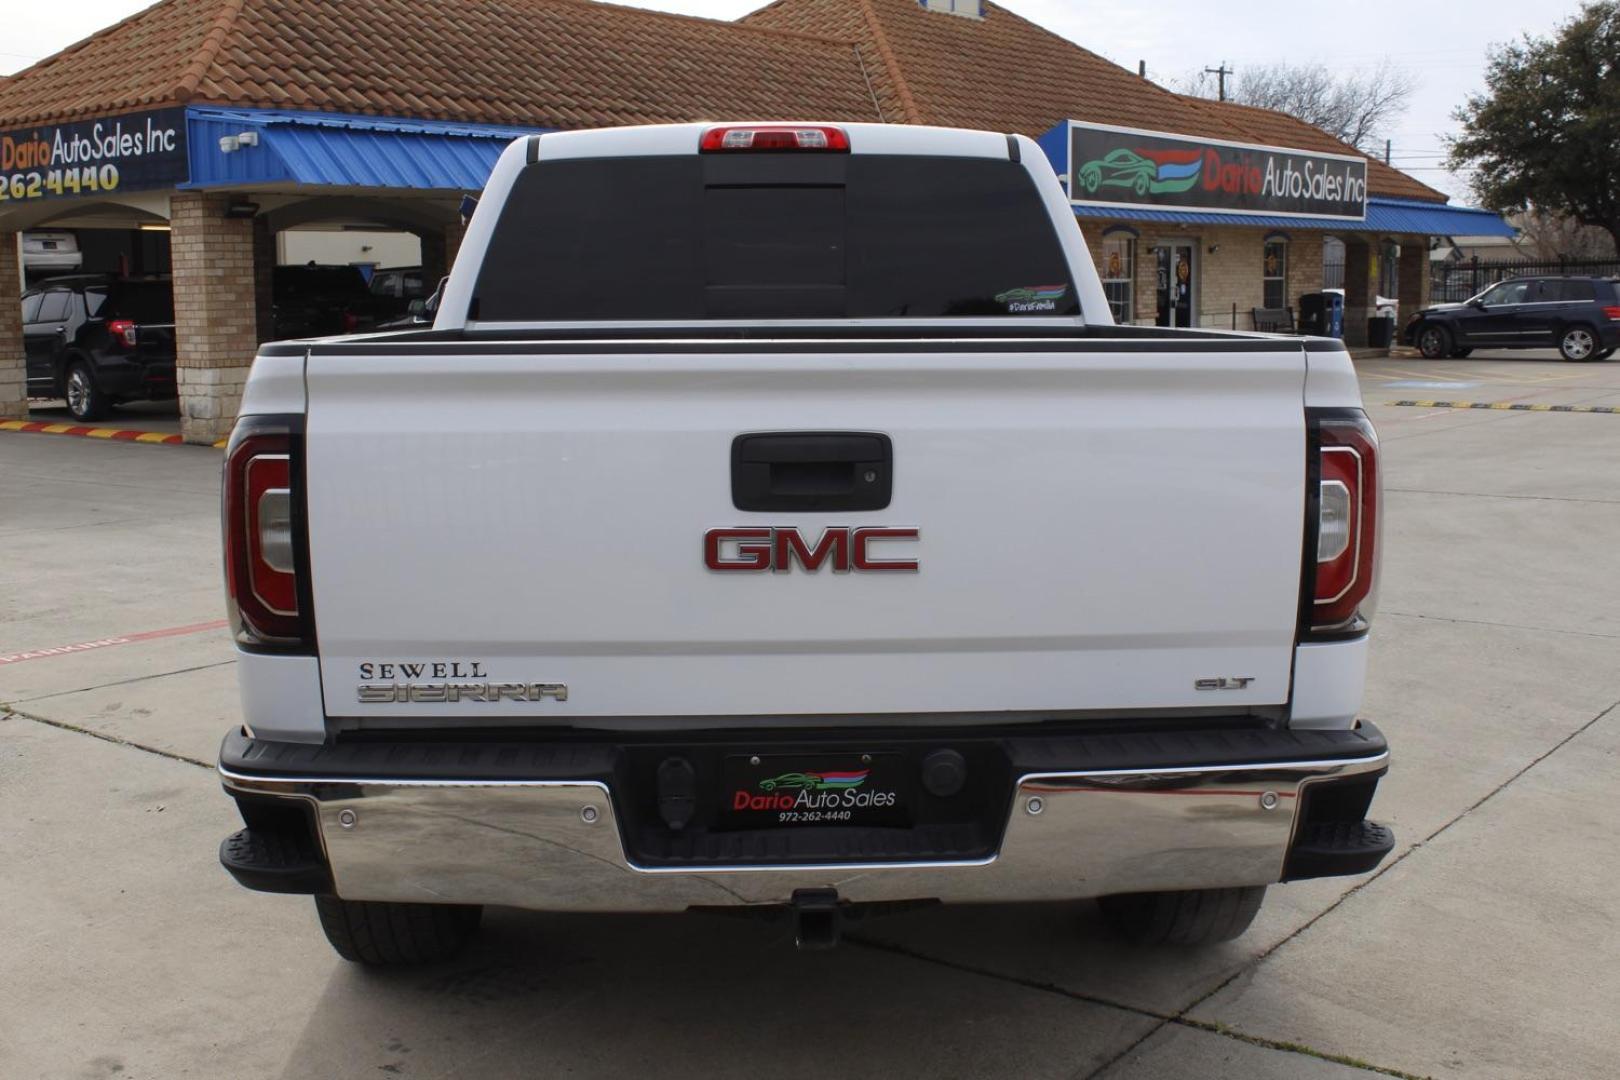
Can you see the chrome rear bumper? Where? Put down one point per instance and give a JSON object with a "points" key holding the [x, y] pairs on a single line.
{"points": [[557, 845]]}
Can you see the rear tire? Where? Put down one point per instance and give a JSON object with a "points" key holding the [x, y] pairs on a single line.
{"points": [[1192, 918], [1433, 341], [1577, 343], [84, 398], [383, 934]]}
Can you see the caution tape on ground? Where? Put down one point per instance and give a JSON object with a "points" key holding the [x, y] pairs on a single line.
{"points": [[1508, 406], [118, 434]]}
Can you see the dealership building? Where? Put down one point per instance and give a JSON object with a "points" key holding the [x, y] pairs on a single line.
{"points": [[201, 133]]}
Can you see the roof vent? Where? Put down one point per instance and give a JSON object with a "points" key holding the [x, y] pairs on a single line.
{"points": [[973, 9]]}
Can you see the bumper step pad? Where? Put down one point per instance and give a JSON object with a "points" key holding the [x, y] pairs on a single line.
{"points": [[274, 860], [1334, 849]]}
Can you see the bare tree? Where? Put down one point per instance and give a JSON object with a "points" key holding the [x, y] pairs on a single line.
{"points": [[1559, 236], [1357, 109]]}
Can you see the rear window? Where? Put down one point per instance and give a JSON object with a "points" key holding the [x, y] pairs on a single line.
{"points": [[151, 302], [319, 282], [1571, 290], [768, 236], [54, 306]]}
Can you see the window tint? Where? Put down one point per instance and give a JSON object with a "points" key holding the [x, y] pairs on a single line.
{"points": [[30, 308], [54, 306], [1571, 290], [773, 236], [319, 282], [149, 302], [1509, 292]]}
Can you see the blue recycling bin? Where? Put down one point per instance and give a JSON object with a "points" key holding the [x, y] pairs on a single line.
{"points": [[1335, 314]]}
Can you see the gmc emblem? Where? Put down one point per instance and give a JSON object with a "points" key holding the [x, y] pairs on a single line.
{"points": [[778, 548]]}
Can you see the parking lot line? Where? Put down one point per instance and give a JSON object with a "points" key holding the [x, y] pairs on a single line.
{"points": [[108, 642], [1507, 406]]}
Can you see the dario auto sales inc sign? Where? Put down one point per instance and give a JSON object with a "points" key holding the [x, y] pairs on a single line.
{"points": [[1111, 166], [135, 152]]}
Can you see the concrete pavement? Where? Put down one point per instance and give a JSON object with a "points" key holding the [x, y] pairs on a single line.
{"points": [[1484, 948]]}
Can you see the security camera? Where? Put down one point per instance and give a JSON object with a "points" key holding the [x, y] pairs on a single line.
{"points": [[229, 144]]}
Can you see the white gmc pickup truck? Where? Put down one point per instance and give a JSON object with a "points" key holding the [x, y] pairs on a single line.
{"points": [[774, 515]]}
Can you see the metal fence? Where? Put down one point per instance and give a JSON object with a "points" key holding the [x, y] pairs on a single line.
{"points": [[1333, 266], [1453, 282]]}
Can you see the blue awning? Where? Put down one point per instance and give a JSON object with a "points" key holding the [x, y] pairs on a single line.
{"points": [[1396, 216], [331, 150], [1433, 219]]}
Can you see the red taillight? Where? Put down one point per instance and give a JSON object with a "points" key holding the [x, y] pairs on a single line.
{"points": [[351, 322], [124, 332], [1613, 313], [1346, 529], [814, 137], [262, 543]]}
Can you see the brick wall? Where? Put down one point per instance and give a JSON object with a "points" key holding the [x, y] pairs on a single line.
{"points": [[13, 367], [1230, 275], [215, 311]]}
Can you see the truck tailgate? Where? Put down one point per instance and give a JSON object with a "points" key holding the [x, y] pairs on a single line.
{"points": [[1102, 526]]}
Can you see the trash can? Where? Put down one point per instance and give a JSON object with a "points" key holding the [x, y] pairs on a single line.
{"points": [[1322, 314], [1380, 331], [1313, 314]]}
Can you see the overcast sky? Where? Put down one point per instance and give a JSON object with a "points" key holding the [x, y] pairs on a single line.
{"points": [[1443, 45]]}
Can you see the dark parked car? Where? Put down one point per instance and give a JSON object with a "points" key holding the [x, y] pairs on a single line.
{"points": [[393, 289], [317, 301], [97, 341], [1579, 316]]}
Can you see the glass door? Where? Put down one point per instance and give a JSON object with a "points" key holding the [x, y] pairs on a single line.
{"points": [[1177, 282]]}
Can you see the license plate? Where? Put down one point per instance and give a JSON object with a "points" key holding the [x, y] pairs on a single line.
{"points": [[793, 790]]}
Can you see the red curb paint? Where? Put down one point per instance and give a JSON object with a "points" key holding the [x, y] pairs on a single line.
{"points": [[108, 642]]}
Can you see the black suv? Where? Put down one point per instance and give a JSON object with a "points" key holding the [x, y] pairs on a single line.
{"points": [[1579, 316], [98, 340]]}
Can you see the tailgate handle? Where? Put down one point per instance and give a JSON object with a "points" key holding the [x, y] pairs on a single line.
{"points": [[832, 471]]}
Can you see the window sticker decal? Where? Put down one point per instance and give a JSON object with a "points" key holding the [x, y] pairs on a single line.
{"points": [[1032, 297]]}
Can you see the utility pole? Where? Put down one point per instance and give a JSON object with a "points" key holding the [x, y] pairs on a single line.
{"points": [[1387, 144], [1221, 73]]}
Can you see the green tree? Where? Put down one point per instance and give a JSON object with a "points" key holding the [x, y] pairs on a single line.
{"points": [[1545, 135]]}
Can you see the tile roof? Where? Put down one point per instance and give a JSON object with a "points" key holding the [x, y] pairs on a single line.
{"points": [[1005, 73], [1001, 72], [137, 63], [543, 63], [576, 63]]}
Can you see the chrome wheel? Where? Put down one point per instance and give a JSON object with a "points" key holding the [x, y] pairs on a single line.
{"points": [[1577, 344], [78, 392]]}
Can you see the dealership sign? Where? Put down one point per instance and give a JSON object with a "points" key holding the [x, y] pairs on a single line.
{"points": [[1112, 166], [138, 151]]}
